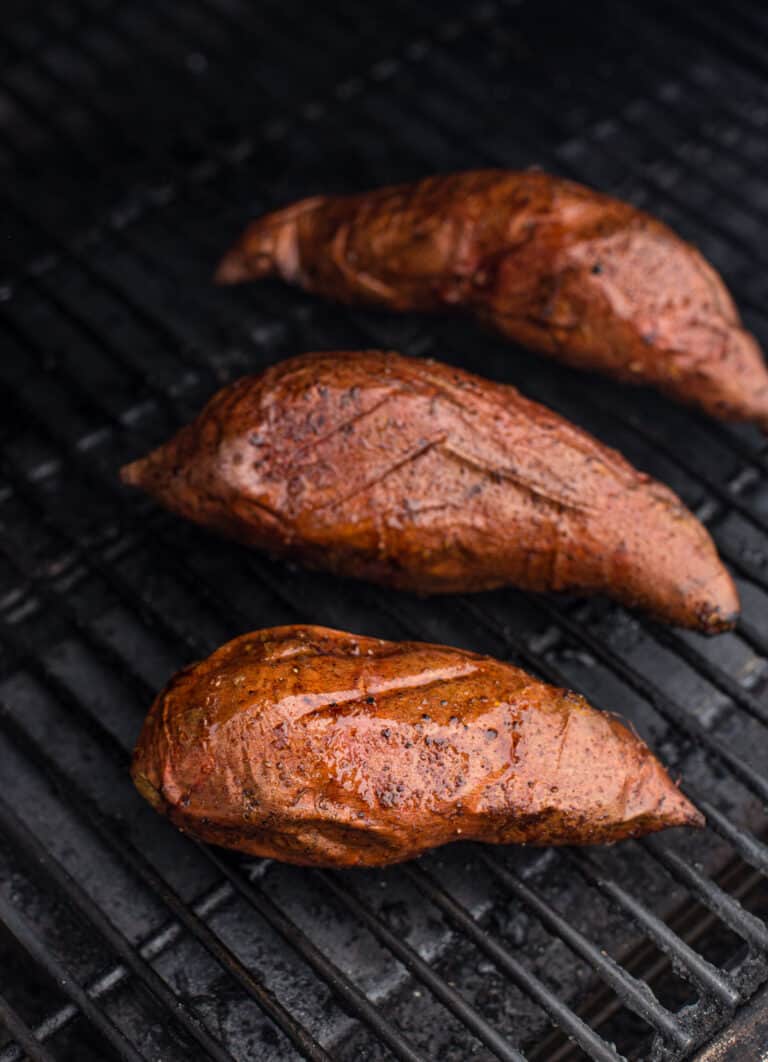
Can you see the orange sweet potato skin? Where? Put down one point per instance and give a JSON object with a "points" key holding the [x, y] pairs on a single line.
{"points": [[318, 747], [547, 262], [422, 477]]}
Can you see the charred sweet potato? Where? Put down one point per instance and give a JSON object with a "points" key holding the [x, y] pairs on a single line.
{"points": [[416, 475], [319, 747], [548, 263]]}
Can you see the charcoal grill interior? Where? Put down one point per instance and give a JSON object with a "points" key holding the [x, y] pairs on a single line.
{"points": [[134, 141]]}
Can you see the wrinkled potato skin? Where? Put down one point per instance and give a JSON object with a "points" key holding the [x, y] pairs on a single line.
{"points": [[318, 747], [547, 262], [422, 477]]}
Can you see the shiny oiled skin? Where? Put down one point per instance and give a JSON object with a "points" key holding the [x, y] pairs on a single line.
{"points": [[314, 746], [547, 262], [422, 477]]}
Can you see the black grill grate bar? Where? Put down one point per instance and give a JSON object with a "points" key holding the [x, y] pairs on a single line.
{"points": [[154, 620], [502, 957], [92, 636], [80, 45], [413, 962], [22, 1033], [109, 832], [750, 849], [149, 948], [157, 326], [26, 102], [727, 496], [328, 971], [247, 40], [334, 977], [40, 118], [711, 671], [139, 864], [242, 82], [748, 455], [752, 16], [25, 936], [717, 104], [149, 43], [692, 965], [92, 913], [676, 714], [751, 929], [721, 33], [137, 207], [680, 35], [90, 103], [707, 978], [633, 993]]}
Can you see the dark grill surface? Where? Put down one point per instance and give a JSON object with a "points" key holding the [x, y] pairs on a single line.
{"points": [[135, 139]]}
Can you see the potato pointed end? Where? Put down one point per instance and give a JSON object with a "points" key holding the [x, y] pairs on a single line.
{"points": [[718, 618], [715, 604], [679, 811], [669, 566], [234, 268], [150, 473], [133, 473], [657, 802]]}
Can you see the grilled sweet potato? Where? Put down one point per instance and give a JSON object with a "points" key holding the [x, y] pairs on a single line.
{"points": [[548, 263], [413, 474], [319, 747]]}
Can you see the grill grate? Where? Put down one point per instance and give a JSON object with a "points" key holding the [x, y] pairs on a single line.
{"points": [[134, 139]]}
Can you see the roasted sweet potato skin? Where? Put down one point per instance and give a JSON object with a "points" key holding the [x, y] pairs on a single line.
{"points": [[547, 262], [422, 477], [319, 747]]}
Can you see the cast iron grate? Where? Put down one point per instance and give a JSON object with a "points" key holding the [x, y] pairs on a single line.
{"points": [[134, 139]]}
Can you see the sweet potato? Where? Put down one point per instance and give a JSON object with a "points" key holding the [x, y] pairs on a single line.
{"points": [[318, 747], [548, 263], [422, 477]]}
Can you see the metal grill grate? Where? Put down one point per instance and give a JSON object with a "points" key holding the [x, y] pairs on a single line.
{"points": [[134, 139]]}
